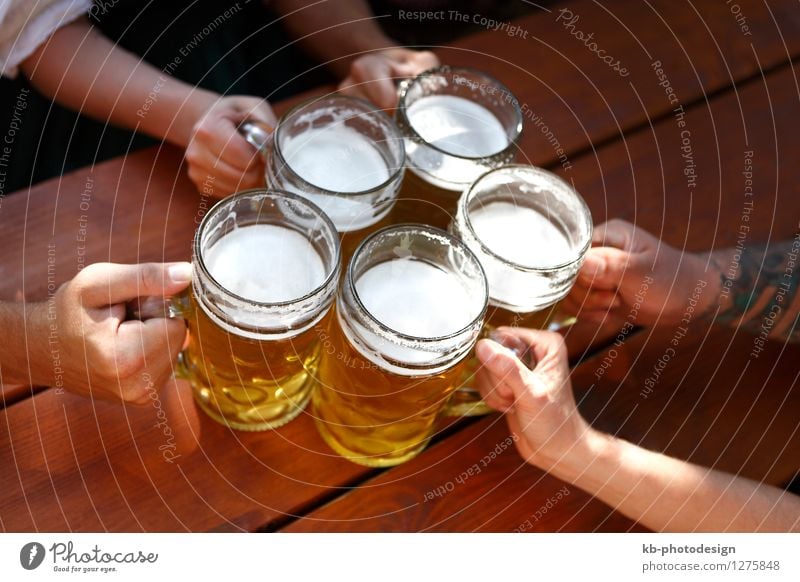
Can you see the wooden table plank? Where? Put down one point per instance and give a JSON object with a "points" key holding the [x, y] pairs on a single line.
{"points": [[474, 481], [76, 465], [713, 405], [565, 88]]}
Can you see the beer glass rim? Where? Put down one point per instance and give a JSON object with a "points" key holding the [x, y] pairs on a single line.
{"points": [[336, 259], [371, 109], [402, 109], [456, 242], [470, 191]]}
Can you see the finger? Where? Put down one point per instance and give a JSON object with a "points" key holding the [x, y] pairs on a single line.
{"points": [[583, 298], [494, 392], [373, 75], [221, 138], [382, 92], [503, 365], [614, 233], [103, 284], [204, 160], [417, 63], [262, 112], [543, 346], [605, 267], [158, 340]]}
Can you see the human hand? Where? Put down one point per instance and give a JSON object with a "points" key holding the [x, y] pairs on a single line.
{"points": [[373, 75], [537, 399], [103, 355], [220, 160], [630, 271]]}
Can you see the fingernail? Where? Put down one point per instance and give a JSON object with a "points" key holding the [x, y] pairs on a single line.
{"points": [[180, 272], [511, 343], [484, 351]]}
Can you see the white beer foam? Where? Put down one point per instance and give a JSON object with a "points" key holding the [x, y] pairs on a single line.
{"points": [[459, 127], [336, 158], [417, 299], [339, 159], [525, 237], [521, 235], [265, 263]]}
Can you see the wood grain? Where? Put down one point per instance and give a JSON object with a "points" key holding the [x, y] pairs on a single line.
{"points": [[72, 464], [564, 87]]}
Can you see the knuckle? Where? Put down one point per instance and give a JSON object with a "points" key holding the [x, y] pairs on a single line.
{"points": [[617, 223], [129, 365], [204, 130], [360, 69], [193, 155], [149, 277], [134, 394]]}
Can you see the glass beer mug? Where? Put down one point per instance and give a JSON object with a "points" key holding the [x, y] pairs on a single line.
{"points": [[530, 231], [408, 313], [266, 266], [457, 124], [341, 153]]}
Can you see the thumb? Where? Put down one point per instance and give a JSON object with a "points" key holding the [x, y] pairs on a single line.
{"points": [[605, 267], [261, 111], [504, 366], [373, 76], [104, 284]]}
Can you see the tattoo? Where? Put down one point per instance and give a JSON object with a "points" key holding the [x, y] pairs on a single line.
{"points": [[762, 292]]}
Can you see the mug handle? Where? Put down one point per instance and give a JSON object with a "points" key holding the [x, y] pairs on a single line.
{"points": [[257, 133], [466, 400], [143, 308], [175, 307]]}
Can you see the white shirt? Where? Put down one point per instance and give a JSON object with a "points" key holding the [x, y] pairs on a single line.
{"points": [[25, 24]]}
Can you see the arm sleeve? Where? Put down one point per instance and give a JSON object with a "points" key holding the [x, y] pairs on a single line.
{"points": [[25, 24]]}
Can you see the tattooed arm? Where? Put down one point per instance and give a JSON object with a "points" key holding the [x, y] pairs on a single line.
{"points": [[631, 271], [759, 289]]}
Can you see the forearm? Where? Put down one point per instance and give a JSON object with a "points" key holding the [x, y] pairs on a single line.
{"points": [[759, 288], [333, 33], [22, 358], [665, 494], [81, 69]]}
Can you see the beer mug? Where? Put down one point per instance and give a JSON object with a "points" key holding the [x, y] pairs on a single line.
{"points": [[341, 153], [409, 311], [530, 231], [265, 270], [457, 124]]}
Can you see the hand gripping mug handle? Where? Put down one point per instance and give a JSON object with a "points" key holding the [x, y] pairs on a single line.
{"points": [[466, 401], [257, 133], [175, 307]]}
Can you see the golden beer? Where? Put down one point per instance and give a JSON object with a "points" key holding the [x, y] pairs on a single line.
{"points": [[371, 415], [457, 123], [409, 311], [266, 268], [246, 383]]}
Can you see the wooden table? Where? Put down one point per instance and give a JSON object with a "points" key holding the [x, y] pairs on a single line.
{"points": [[73, 464]]}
